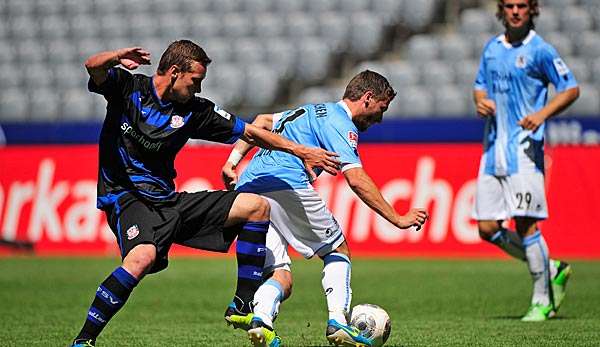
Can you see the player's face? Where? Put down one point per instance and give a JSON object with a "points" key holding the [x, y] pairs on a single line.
{"points": [[516, 13], [189, 83], [373, 113]]}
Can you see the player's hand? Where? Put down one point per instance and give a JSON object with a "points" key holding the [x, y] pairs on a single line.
{"points": [[415, 217], [317, 157], [133, 57], [486, 107], [229, 176], [532, 121]]}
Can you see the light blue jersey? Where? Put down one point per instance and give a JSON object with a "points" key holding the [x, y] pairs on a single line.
{"points": [[328, 126], [517, 79]]}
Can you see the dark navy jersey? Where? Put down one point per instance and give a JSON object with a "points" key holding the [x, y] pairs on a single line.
{"points": [[141, 136]]}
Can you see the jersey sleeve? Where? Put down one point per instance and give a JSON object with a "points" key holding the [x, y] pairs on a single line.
{"points": [[342, 138], [554, 69], [218, 125], [118, 82]]}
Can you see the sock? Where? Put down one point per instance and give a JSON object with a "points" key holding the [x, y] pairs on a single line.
{"points": [[510, 242], [250, 250], [538, 263], [336, 284], [267, 300], [111, 295]]}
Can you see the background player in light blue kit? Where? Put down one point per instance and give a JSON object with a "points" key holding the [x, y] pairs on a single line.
{"points": [[511, 92], [299, 217]]}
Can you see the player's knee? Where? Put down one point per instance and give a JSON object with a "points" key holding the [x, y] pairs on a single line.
{"points": [[140, 260], [258, 209], [284, 278], [487, 229]]}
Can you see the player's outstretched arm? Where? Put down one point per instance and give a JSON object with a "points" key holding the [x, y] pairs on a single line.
{"points": [[132, 57], [239, 151], [311, 156], [362, 184], [558, 104]]}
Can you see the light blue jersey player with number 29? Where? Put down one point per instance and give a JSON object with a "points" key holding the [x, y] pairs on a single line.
{"points": [[299, 217], [511, 92]]}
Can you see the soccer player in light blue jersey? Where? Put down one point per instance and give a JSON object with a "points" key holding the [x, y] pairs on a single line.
{"points": [[511, 92], [299, 217]]}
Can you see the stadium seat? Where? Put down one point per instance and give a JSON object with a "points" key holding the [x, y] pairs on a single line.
{"points": [[334, 28], [465, 72], [562, 43], [268, 25], [476, 21], [595, 66], [84, 26], [19, 8], [401, 74], [61, 51], [45, 8], [44, 104], [21, 27], [218, 49], [29, 51], [204, 26], [418, 14], [114, 27], [588, 45], [54, 27], [366, 33], [300, 25], [372, 65], [141, 26], [449, 101], [255, 7], [547, 22], [437, 72], [389, 10], [247, 51], [135, 7], [579, 68], [68, 76], [315, 95], [226, 6], [171, 26], [422, 48], [195, 7], [87, 47], [415, 102], [236, 25], [281, 55], [287, 6], [77, 7], [13, 105], [7, 52], [11, 77], [454, 48], [353, 5], [37, 75], [559, 4], [588, 103], [575, 20], [107, 8], [260, 86], [313, 63], [160, 7], [229, 78], [319, 6], [77, 104]]}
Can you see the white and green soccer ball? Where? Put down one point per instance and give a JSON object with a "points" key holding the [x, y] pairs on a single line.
{"points": [[373, 322]]}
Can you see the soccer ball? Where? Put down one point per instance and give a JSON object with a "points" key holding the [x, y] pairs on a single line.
{"points": [[373, 322]]}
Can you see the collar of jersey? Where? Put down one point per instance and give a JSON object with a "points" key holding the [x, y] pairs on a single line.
{"points": [[345, 107], [502, 39], [160, 102]]}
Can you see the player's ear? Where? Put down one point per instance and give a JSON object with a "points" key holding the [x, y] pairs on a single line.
{"points": [[174, 70]]}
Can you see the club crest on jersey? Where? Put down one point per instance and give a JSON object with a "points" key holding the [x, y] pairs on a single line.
{"points": [[353, 139], [560, 66], [132, 232], [521, 61], [177, 122]]}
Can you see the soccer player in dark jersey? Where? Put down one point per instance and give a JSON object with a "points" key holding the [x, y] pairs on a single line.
{"points": [[148, 120]]}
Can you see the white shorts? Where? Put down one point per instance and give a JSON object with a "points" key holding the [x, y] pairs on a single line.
{"points": [[504, 197], [301, 219]]}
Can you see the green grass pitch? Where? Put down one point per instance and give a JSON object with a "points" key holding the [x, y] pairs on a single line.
{"points": [[43, 302]]}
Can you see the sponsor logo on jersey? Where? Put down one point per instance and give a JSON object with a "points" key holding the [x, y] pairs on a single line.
{"points": [[132, 232], [141, 139], [353, 139], [177, 122], [521, 61], [560, 66], [222, 112]]}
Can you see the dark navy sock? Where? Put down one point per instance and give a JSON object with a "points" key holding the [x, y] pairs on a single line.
{"points": [[111, 295], [250, 251]]}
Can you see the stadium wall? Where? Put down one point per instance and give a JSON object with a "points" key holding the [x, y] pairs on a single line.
{"points": [[47, 199]]}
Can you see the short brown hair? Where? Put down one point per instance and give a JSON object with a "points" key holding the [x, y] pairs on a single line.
{"points": [[534, 11], [369, 81], [182, 53]]}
